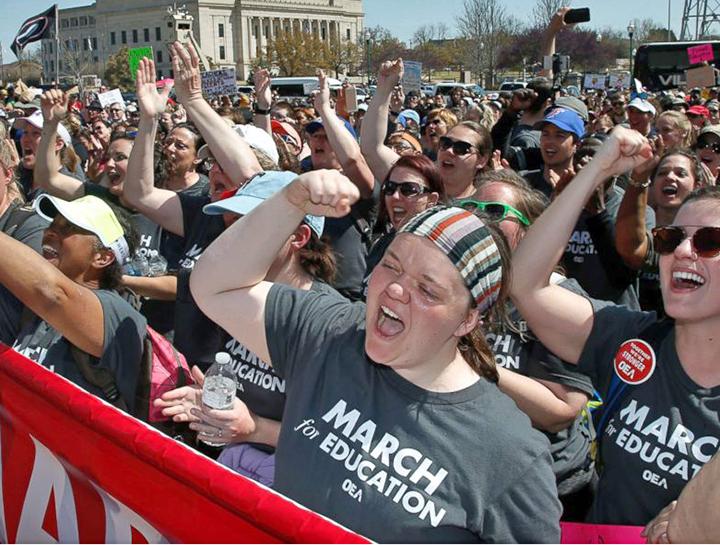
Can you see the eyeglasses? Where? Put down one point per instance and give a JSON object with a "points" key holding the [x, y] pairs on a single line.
{"points": [[211, 162], [715, 146], [705, 241], [497, 211], [458, 146], [407, 189]]}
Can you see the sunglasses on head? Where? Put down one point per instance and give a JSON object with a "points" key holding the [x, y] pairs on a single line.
{"points": [[715, 146], [497, 211], [705, 241], [458, 146], [407, 189]]}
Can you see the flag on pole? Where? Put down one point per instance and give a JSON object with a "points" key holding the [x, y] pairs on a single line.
{"points": [[35, 28]]}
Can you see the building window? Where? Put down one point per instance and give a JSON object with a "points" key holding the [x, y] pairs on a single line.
{"points": [[123, 36], [64, 23], [96, 60], [222, 52], [60, 66], [347, 34], [157, 34], [85, 43], [74, 21], [112, 38], [159, 56], [50, 47], [221, 30], [83, 21], [94, 43], [322, 32], [172, 73], [91, 19], [52, 66], [146, 34], [135, 35], [67, 45]]}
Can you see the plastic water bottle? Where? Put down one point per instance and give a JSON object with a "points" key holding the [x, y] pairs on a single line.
{"points": [[219, 387]]}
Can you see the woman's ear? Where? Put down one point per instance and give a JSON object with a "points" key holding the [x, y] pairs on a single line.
{"points": [[103, 258], [471, 322], [300, 237]]}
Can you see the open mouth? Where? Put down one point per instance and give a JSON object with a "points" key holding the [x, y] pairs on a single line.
{"points": [[670, 190], [686, 280], [49, 253], [114, 177], [389, 323]]}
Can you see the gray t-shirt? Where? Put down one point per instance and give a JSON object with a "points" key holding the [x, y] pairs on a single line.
{"points": [[662, 431], [124, 330], [393, 461]]}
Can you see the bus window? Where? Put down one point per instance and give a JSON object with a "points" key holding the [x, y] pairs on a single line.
{"points": [[661, 66]]}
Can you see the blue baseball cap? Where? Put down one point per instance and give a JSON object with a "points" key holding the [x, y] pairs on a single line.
{"points": [[317, 123], [253, 193], [566, 120], [403, 117]]}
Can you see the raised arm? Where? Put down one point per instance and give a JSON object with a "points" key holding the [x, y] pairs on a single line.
{"points": [[228, 147], [71, 309], [263, 99], [557, 23], [160, 205], [561, 319], [47, 175], [374, 126], [631, 236], [228, 287], [343, 144]]}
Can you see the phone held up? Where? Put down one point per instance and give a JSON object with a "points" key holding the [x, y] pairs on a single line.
{"points": [[579, 15]]}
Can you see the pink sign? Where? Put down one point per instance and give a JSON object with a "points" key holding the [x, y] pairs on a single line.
{"points": [[700, 53], [575, 532]]}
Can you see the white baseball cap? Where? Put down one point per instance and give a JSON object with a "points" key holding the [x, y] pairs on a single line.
{"points": [[36, 120]]}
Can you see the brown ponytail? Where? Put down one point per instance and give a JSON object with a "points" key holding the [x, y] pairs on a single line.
{"points": [[317, 259]]}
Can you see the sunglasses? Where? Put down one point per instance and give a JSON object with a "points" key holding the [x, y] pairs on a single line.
{"points": [[407, 189], [458, 146], [705, 241], [715, 146], [497, 211]]}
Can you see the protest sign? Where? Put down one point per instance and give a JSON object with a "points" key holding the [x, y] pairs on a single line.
{"points": [[219, 82], [310, 87], [703, 76], [111, 97], [594, 81], [74, 469], [412, 77], [134, 56], [619, 81], [700, 53]]}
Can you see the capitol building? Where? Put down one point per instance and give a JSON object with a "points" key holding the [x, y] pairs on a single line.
{"points": [[230, 32]]}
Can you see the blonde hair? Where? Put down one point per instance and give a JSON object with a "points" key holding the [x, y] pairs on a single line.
{"points": [[8, 160], [680, 121], [445, 115]]}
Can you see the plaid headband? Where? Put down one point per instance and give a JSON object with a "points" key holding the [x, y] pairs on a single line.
{"points": [[468, 243]]}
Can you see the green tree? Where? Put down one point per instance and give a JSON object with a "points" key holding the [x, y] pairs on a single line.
{"points": [[117, 71], [294, 53]]}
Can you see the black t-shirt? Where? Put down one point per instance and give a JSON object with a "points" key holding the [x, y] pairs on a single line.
{"points": [[391, 460], [124, 332], [520, 351], [24, 225], [153, 240], [661, 432]]}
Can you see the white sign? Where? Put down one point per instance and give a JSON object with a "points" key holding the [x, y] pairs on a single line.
{"points": [[594, 81], [219, 82], [308, 88], [619, 81], [111, 97], [412, 77]]}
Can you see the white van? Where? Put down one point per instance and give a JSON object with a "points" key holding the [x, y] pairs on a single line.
{"points": [[300, 87]]}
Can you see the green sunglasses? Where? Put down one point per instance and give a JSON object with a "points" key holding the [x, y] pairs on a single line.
{"points": [[497, 211]]}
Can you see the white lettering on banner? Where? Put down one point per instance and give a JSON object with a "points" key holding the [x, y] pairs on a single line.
{"points": [[50, 481], [381, 463], [684, 453]]}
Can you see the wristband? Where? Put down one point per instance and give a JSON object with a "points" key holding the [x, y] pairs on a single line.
{"points": [[639, 185], [261, 111]]}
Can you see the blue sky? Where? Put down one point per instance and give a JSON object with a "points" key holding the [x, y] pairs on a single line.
{"points": [[401, 17]]}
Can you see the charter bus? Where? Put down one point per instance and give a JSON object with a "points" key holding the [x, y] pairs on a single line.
{"points": [[662, 65]]}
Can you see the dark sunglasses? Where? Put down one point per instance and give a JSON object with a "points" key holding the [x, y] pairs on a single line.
{"points": [[458, 146], [715, 146], [407, 189], [497, 211], [705, 241]]}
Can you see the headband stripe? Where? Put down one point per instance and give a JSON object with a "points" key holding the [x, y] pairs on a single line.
{"points": [[469, 245]]}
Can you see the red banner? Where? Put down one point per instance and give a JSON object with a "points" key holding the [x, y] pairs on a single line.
{"points": [[75, 469]]}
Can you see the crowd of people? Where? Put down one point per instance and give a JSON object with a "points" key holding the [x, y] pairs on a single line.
{"points": [[433, 305]]}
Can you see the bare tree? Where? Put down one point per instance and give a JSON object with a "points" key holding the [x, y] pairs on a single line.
{"points": [[545, 9], [487, 26], [76, 57]]}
